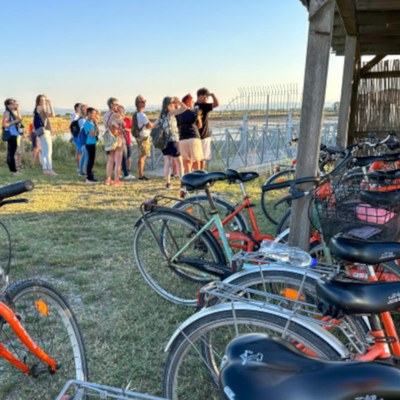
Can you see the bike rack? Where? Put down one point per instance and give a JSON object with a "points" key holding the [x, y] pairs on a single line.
{"points": [[80, 390]]}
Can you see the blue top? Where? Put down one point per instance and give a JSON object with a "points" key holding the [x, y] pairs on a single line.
{"points": [[89, 126], [12, 128]]}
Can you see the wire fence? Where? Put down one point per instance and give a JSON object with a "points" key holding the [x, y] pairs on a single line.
{"points": [[256, 146]]}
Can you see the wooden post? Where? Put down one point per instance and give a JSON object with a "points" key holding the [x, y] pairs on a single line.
{"points": [[351, 134], [321, 13], [347, 82]]}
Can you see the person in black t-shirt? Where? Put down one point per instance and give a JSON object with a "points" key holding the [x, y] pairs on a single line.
{"points": [[190, 147], [202, 96]]}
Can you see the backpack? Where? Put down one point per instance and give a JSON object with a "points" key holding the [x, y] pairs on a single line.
{"points": [[159, 138], [82, 136], [135, 126], [74, 128]]}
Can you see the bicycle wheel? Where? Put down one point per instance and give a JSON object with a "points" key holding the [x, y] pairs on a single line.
{"points": [[49, 321], [224, 207], [269, 198], [185, 364], [178, 281]]}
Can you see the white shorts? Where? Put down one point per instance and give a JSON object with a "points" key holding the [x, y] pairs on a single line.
{"points": [[206, 144]]}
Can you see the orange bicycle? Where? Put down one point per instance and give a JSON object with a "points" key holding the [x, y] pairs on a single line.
{"points": [[40, 343]]}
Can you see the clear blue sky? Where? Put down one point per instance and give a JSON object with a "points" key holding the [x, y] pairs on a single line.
{"points": [[88, 50]]}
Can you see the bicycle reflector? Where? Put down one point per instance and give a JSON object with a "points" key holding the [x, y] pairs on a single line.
{"points": [[292, 294], [42, 307]]}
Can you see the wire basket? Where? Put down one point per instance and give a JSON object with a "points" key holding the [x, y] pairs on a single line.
{"points": [[79, 390], [361, 206]]}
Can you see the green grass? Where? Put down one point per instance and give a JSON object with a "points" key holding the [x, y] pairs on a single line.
{"points": [[79, 237]]}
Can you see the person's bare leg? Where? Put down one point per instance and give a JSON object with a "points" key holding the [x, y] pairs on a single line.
{"points": [[118, 160], [178, 166], [110, 165], [141, 162], [167, 169], [187, 166], [196, 165]]}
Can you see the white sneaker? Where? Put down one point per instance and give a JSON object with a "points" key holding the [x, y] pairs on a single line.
{"points": [[129, 178]]}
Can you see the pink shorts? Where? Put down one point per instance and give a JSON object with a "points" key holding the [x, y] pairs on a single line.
{"points": [[191, 149]]}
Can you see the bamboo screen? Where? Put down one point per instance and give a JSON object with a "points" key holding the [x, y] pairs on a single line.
{"points": [[378, 105]]}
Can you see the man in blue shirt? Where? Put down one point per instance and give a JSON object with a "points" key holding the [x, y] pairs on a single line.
{"points": [[91, 131]]}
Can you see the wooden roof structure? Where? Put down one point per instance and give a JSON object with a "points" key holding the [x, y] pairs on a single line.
{"points": [[375, 23]]}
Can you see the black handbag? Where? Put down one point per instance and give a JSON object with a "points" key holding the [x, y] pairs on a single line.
{"points": [[5, 135]]}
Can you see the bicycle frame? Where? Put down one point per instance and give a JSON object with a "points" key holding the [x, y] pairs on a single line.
{"points": [[9, 316], [251, 239]]}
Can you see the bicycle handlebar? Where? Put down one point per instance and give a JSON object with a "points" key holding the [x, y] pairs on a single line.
{"points": [[15, 189], [290, 183]]}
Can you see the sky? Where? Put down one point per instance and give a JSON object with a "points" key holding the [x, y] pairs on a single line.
{"points": [[89, 50]]}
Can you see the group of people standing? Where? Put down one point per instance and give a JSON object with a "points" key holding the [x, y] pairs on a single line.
{"points": [[41, 133], [189, 140], [184, 122]]}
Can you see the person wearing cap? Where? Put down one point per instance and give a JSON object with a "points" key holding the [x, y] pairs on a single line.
{"points": [[202, 96], [142, 137]]}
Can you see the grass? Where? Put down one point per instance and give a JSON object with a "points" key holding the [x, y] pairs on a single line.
{"points": [[79, 237]]}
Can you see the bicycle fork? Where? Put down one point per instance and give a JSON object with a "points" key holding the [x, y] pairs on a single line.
{"points": [[9, 316]]}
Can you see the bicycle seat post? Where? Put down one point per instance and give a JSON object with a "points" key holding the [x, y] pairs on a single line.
{"points": [[213, 208], [243, 189]]}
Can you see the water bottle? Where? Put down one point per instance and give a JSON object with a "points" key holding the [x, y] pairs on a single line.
{"points": [[286, 254]]}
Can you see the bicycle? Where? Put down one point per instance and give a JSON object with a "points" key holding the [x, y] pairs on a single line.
{"points": [[199, 340], [237, 232], [275, 210], [40, 343], [278, 210], [316, 379]]}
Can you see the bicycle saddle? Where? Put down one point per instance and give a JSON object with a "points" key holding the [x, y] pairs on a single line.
{"points": [[199, 180], [258, 367], [381, 199], [234, 176], [349, 296], [365, 161], [364, 252], [383, 175]]}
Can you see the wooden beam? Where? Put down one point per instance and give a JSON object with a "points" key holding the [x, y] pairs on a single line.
{"points": [[348, 13], [380, 30], [383, 74], [367, 67], [378, 18], [347, 84], [317, 61], [378, 5], [376, 39]]}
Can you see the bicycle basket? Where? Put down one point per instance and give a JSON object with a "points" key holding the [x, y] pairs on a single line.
{"points": [[361, 206], [79, 390]]}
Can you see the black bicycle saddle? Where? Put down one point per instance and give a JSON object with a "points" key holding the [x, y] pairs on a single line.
{"points": [[348, 296], [258, 367], [199, 180], [234, 176], [362, 251]]}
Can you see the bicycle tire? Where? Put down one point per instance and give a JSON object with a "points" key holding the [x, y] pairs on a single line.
{"points": [[224, 207], [184, 355], [49, 320], [180, 282], [272, 213]]}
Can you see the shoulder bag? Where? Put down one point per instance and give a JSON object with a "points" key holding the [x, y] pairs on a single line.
{"points": [[109, 140]]}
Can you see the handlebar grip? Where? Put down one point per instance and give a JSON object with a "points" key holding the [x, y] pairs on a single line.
{"points": [[15, 189]]}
